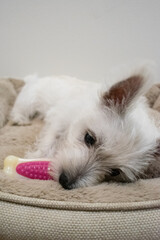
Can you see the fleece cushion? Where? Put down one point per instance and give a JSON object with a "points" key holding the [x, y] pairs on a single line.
{"points": [[32, 209]]}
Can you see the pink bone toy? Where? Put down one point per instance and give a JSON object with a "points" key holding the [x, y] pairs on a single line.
{"points": [[30, 168]]}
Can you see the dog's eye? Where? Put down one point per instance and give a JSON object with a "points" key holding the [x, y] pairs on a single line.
{"points": [[115, 172], [89, 140]]}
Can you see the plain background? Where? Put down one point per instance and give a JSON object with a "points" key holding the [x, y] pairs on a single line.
{"points": [[82, 38]]}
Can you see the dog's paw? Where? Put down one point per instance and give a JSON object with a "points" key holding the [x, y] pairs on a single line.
{"points": [[19, 120]]}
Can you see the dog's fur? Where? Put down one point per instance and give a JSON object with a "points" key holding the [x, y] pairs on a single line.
{"points": [[92, 132]]}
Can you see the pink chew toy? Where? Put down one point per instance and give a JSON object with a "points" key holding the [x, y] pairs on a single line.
{"points": [[34, 170], [30, 168]]}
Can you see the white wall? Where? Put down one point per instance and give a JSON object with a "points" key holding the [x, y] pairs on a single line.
{"points": [[83, 38]]}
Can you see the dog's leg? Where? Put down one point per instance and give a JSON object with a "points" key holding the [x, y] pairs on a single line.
{"points": [[48, 141], [44, 146], [24, 107]]}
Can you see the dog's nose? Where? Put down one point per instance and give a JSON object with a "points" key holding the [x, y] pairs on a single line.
{"points": [[63, 180]]}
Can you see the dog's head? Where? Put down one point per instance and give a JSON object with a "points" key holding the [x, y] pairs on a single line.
{"points": [[112, 140]]}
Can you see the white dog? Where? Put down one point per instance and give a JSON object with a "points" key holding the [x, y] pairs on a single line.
{"points": [[92, 132]]}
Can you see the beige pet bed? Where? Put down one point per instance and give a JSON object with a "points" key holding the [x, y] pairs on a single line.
{"points": [[32, 209]]}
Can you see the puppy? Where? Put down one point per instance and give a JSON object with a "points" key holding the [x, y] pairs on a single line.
{"points": [[93, 132]]}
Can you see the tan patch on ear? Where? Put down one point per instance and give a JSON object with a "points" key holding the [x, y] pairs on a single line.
{"points": [[122, 93]]}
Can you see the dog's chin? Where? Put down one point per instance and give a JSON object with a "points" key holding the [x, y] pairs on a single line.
{"points": [[71, 186], [75, 185]]}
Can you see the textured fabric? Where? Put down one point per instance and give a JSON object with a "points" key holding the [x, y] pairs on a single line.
{"points": [[79, 206], [8, 92], [23, 222]]}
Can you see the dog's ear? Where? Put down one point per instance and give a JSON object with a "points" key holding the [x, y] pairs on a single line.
{"points": [[122, 94]]}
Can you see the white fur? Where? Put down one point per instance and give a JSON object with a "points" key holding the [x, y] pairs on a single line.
{"points": [[70, 108]]}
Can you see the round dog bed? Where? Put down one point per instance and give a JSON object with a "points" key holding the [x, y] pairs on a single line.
{"points": [[43, 210]]}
